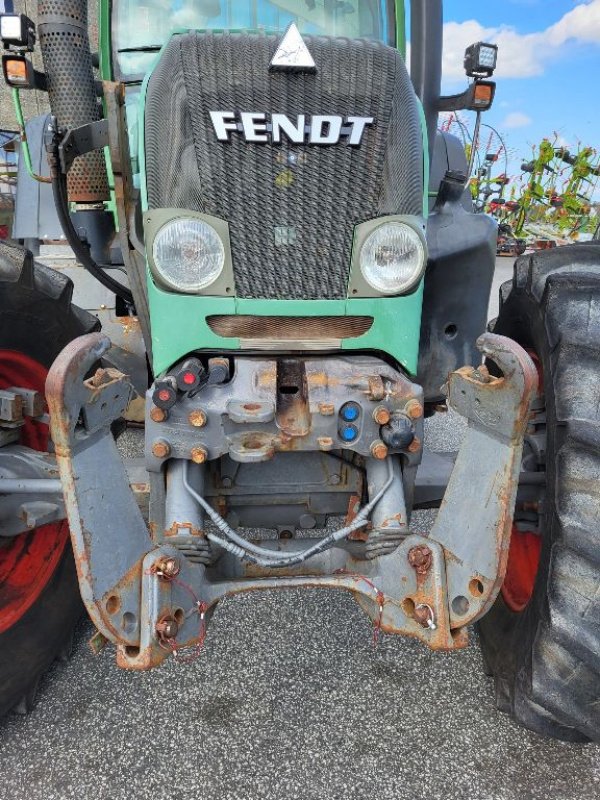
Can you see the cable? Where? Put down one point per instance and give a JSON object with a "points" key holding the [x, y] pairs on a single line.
{"points": [[270, 558], [82, 253]]}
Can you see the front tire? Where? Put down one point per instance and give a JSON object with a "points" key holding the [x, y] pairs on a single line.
{"points": [[541, 642], [39, 592]]}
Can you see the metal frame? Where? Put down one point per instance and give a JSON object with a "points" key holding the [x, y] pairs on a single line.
{"points": [[151, 600]]}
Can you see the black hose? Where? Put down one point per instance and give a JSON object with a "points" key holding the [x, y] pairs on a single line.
{"points": [[82, 253]]}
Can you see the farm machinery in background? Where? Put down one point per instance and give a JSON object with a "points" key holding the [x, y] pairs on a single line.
{"points": [[552, 201]]}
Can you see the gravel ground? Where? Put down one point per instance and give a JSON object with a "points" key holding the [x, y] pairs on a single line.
{"points": [[289, 699]]}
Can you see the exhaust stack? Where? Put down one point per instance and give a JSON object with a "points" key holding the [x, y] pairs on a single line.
{"points": [[65, 47]]}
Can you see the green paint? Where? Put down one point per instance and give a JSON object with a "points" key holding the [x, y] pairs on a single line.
{"points": [[179, 323], [105, 52], [401, 28], [179, 320]]}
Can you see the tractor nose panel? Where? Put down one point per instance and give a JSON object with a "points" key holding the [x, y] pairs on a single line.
{"points": [[291, 160]]}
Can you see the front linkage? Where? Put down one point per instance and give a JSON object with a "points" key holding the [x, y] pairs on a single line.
{"points": [[150, 600]]}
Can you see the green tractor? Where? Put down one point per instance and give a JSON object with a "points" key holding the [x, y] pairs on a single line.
{"points": [[262, 188]]}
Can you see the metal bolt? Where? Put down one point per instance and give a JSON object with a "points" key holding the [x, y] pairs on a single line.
{"points": [[335, 479], [424, 615], [158, 414], [376, 387], [168, 567], [379, 450], [326, 409], [167, 628], [325, 443], [197, 418], [226, 482], [161, 448], [420, 558], [414, 446], [413, 409], [199, 455], [381, 415]]}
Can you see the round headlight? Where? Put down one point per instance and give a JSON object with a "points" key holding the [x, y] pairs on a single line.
{"points": [[392, 258], [188, 254]]}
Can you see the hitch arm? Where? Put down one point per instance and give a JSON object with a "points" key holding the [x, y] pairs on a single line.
{"points": [[93, 503], [474, 522]]}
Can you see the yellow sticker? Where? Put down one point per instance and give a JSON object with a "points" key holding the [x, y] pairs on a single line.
{"points": [[285, 179]]}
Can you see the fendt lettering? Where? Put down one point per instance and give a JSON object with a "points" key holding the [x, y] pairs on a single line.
{"points": [[277, 128]]}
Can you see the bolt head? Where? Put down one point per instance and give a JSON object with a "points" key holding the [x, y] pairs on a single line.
{"points": [[169, 567], [198, 455], [381, 415], [379, 450], [167, 628], [326, 409], [414, 446], [325, 443], [414, 409], [420, 558], [158, 414], [197, 418], [161, 449]]}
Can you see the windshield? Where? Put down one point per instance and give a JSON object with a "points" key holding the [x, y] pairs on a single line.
{"points": [[143, 26]]}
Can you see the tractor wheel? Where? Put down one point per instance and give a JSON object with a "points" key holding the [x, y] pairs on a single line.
{"points": [[541, 639], [39, 593]]}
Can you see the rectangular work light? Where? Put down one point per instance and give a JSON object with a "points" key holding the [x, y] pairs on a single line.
{"points": [[17, 31], [481, 59]]}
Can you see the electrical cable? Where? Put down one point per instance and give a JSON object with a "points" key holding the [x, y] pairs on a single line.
{"points": [[270, 558], [82, 253]]}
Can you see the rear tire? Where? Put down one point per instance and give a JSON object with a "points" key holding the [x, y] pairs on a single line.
{"points": [[545, 658], [37, 320]]}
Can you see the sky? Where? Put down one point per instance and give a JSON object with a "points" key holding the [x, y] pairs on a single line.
{"points": [[548, 75]]}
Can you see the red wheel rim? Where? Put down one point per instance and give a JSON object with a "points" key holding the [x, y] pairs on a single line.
{"points": [[524, 553], [27, 561], [521, 569]]}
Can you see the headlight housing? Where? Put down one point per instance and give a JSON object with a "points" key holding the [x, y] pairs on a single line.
{"points": [[187, 254], [392, 257]]}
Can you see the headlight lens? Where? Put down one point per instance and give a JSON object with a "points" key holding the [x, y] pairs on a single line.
{"points": [[392, 258], [188, 254]]}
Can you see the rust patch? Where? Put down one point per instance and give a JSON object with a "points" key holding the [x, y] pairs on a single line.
{"points": [[177, 528], [197, 418]]}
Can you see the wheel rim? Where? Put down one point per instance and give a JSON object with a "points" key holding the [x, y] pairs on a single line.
{"points": [[27, 561], [524, 552], [521, 569]]}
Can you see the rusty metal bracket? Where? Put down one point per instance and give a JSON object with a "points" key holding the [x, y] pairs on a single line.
{"points": [[108, 533], [475, 519], [151, 600]]}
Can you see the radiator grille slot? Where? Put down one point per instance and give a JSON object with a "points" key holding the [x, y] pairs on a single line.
{"points": [[303, 329]]}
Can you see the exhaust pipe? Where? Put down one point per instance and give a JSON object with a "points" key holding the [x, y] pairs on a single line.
{"points": [[65, 48]]}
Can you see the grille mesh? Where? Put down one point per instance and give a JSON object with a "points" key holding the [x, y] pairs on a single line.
{"points": [[319, 192], [292, 328]]}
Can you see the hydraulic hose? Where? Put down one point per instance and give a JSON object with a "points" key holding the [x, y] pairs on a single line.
{"points": [[261, 556], [59, 191]]}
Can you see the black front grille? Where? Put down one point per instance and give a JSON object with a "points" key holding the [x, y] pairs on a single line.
{"points": [[291, 208]]}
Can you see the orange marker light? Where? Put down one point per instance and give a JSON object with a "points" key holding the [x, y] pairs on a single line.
{"points": [[15, 70], [483, 95]]}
